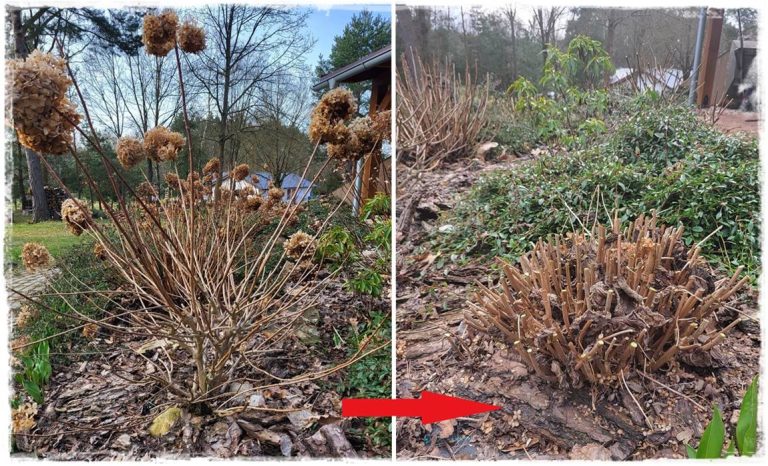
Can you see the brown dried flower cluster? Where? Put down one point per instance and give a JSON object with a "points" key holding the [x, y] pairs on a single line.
{"points": [[130, 151], [20, 343], [212, 167], [99, 251], [191, 38], [328, 117], [253, 203], [23, 418], [368, 139], [381, 124], [195, 187], [299, 244], [43, 116], [172, 179], [275, 194], [159, 34], [245, 191], [90, 330], [594, 307], [76, 215], [363, 140], [162, 144], [240, 172], [25, 315], [343, 152], [190, 187], [35, 256], [146, 190]]}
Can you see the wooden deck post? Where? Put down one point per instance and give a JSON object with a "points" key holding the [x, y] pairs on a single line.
{"points": [[711, 48], [380, 101]]}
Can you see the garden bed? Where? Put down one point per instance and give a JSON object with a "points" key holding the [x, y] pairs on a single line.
{"points": [[92, 412], [438, 351]]}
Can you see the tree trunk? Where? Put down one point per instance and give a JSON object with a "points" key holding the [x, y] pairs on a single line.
{"points": [[40, 210], [610, 33], [151, 174], [20, 174], [512, 18]]}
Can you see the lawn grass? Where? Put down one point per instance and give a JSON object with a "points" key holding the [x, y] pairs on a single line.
{"points": [[53, 235]]}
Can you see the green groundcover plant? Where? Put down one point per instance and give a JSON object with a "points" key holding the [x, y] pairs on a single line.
{"points": [[660, 157]]}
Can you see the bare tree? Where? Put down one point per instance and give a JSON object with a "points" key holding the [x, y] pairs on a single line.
{"points": [[101, 85], [278, 144], [150, 92], [510, 12], [247, 47], [544, 26]]}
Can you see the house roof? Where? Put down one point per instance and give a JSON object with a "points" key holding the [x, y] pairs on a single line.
{"points": [[261, 180], [669, 77], [373, 64]]}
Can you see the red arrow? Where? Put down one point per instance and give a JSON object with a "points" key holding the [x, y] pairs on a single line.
{"points": [[431, 407]]}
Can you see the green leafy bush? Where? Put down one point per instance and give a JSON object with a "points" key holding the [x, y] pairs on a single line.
{"points": [[378, 205], [566, 106], [381, 236], [336, 245], [367, 281], [663, 134], [697, 177]]}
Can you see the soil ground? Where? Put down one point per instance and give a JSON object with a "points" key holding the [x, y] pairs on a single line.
{"points": [[733, 121], [437, 352]]}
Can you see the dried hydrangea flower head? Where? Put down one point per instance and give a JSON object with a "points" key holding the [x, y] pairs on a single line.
{"points": [[130, 151], [172, 179], [245, 191], [253, 203], [159, 35], [275, 193], [90, 330], [299, 244], [99, 251], [327, 122], [43, 115], [367, 138], [191, 38], [193, 187], [76, 215], [345, 151], [146, 190], [240, 172], [35, 256], [25, 315], [212, 167], [381, 124], [162, 144], [23, 418]]}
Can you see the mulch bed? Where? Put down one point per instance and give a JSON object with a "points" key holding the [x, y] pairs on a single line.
{"points": [[437, 351], [92, 411]]}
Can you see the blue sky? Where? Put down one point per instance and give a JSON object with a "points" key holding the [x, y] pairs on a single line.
{"points": [[327, 22]]}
